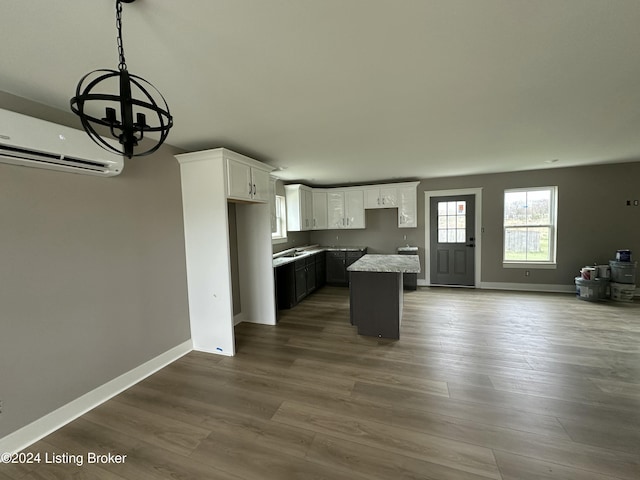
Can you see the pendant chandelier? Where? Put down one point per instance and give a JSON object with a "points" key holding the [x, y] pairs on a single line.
{"points": [[127, 114]]}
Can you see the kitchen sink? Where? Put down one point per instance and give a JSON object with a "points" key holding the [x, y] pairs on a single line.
{"points": [[293, 255]]}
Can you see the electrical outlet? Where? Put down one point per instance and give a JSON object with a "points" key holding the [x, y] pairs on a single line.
{"points": [[635, 203], [527, 273]]}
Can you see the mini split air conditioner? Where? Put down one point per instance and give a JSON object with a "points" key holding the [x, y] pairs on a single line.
{"points": [[36, 143]]}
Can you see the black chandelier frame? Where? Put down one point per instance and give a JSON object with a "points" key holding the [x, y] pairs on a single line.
{"points": [[129, 131]]}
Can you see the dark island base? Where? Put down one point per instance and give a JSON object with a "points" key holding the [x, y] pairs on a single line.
{"points": [[376, 303]]}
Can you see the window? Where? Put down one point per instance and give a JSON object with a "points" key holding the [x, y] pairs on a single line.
{"points": [[280, 232], [530, 226]]}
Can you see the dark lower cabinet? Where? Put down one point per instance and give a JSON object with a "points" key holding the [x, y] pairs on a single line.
{"points": [[336, 268], [311, 274], [337, 263], [286, 286], [351, 257], [301, 279], [321, 270], [298, 279]]}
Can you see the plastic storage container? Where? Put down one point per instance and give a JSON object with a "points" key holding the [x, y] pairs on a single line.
{"points": [[623, 255], [622, 292], [591, 290], [623, 272], [604, 271]]}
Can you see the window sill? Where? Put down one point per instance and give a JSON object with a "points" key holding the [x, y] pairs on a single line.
{"points": [[531, 265], [278, 240]]}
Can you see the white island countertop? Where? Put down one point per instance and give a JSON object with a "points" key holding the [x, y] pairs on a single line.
{"points": [[386, 263]]}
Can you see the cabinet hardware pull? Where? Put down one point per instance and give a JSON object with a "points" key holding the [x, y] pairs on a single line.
{"points": [[254, 188], [249, 188]]}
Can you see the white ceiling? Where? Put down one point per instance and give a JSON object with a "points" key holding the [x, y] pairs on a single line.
{"points": [[339, 91]]}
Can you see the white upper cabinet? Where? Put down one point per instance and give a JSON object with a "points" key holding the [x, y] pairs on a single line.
{"points": [[381, 197], [320, 217], [408, 206], [335, 206], [261, 187], [346, 208], [247, 180], [239, 184], [354, 206], [299, 207]]}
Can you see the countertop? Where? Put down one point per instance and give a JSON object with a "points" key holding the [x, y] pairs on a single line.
{"points": [[293, 254], [345, 249], [386, 263]]}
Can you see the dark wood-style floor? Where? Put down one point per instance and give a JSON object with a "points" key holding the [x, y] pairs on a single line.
{"points": [[481, 385]]}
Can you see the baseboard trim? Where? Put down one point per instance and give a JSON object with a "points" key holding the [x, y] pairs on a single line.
{"points": [[529, 287], [519, 287], [29, 434]]}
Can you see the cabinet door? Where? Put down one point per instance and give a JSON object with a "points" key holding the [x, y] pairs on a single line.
{"points": [[407, 207], [352, 257], [336, 213], [260, 185], [389, 197], [321, 270], [336, 269], [372, 198], [301, 280], [311, 277], [320, 217], [239, 183], [307, 208], [286, 286], [295, 220], [382, 197], [354, 207]]}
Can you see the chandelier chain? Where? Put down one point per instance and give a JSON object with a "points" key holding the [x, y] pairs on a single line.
{"points": [[122, 65]]}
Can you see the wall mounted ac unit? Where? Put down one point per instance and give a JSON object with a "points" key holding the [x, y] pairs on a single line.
{"points": [[32, 142]]}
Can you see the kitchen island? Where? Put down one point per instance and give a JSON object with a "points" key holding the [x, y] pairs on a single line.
{"points": [[376, 293]]}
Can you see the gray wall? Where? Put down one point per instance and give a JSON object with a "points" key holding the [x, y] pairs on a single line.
{"points": [[233, 258], [382, 234], [92, 276], [593, 220]]}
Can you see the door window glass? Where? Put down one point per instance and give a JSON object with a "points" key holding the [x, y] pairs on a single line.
{"points": [[452, 221]]}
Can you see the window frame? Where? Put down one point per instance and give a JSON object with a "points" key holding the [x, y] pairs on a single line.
{"points": [[280, 235], [552, 225]]}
